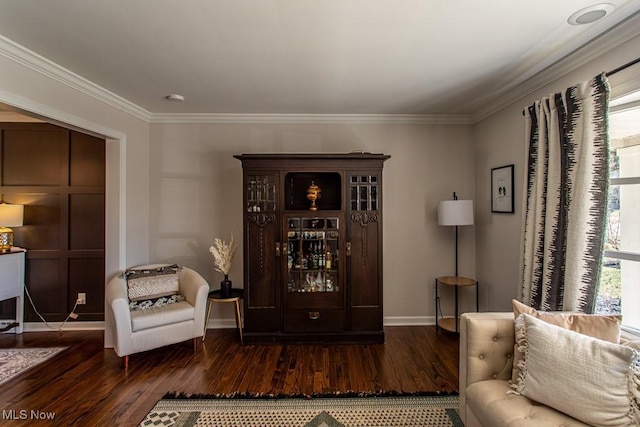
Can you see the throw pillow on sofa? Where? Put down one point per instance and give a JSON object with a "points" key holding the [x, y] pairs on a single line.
{"points": [[592, 380], [152, 283], [604, 327], [155, 302]]}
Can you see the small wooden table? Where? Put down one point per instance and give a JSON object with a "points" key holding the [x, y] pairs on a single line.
{"points": [[451, 324], [215, 296], [12, 265]]}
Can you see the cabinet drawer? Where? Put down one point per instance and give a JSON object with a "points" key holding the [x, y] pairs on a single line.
{"points": [[314, 321]]}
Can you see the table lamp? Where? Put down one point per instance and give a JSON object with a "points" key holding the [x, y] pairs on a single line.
{"points": [[10, 216], [455, 212]]}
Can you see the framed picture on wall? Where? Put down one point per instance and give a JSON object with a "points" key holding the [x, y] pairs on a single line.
{"points": [[502, 189]]}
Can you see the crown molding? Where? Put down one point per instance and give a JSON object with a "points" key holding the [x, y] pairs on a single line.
{"points": [[418, 119], [616, 36], [27, 58], [613, 38]]}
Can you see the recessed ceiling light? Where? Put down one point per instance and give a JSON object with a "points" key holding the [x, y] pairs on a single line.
{"points": [[175, 97], [591, 14]]}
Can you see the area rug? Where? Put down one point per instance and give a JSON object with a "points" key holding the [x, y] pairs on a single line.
{"points": [[331, 411], [14, 361]]}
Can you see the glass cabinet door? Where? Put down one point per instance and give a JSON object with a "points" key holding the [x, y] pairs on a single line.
{"points": [[261, 193], [364, 192], [312, 254]]}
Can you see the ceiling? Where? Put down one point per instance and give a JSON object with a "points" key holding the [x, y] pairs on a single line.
{"points": [[451, 57]]}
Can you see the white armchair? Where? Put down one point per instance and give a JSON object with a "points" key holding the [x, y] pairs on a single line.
{"points": [[137, 331]]}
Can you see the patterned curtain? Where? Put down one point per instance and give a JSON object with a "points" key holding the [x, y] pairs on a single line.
{"points": [[566, 198]]}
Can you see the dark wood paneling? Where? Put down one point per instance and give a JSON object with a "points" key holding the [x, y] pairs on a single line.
{"points": [[84, 273], [33, 156], [59, 175], [86, 221], [87, 164], [43, 278], [43, 223]]}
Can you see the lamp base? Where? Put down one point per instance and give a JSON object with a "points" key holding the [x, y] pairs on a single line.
{"points": [[6, 239]]}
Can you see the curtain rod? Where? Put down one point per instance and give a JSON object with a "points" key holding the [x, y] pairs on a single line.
{"points": [[614, 71], [622, 67]]}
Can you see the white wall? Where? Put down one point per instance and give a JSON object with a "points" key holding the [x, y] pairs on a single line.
{"points": [[499, 140], [196, 195]]}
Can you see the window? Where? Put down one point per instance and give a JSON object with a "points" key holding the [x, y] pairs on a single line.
{"points": [[619, 290]]}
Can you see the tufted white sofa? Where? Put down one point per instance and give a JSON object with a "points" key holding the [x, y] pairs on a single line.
{"points": [[486, 361]]}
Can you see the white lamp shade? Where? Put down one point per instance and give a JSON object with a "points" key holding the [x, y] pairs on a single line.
{"points": [[455, 212], [11, 215]]}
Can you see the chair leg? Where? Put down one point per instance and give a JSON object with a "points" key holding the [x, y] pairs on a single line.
{"points": [[195, 344], [126, 362]]}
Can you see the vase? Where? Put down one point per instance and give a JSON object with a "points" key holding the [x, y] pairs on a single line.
{"points": [[225, 287]]}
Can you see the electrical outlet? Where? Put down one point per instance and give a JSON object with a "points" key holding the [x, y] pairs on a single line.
{"points": [[82, 298]]}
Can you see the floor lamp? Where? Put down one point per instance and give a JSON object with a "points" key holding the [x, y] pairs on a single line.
{"points": [[455, 212]]}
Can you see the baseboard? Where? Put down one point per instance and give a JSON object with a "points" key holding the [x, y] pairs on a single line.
{"points": [[99, 326], [222, 323], [69, 326], [409, 320], [213, 324], [388, 321]]}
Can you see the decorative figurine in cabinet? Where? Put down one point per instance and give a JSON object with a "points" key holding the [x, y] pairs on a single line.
{"points": [[312, 247]]}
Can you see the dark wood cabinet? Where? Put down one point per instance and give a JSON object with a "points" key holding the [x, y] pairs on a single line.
{"points": [[312, 247]]}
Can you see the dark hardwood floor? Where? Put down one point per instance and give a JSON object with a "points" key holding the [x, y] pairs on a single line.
{"points": [[87, 385]]}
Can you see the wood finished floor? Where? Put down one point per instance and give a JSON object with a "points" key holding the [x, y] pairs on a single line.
{"points": [[87, 385]]}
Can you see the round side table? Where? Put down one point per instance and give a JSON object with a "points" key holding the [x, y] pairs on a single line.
{"points": [[215, 296], [451, 324]]}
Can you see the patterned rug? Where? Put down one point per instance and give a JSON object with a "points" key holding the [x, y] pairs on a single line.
{"points": [[14, 361], [378, 411]]}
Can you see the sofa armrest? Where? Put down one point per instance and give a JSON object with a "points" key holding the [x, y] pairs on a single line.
{"points": [[195, 290], [117, 299], [117, 303], [486, 349], [190, 283]]}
